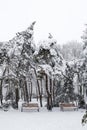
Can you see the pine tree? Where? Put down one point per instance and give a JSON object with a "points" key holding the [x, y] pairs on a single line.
{"points": [[68, 94], [51, 61], [28, 48]]}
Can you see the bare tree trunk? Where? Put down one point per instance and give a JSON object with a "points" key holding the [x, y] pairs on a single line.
{"points": [[24, 93], [41, 91], [40, 96], [30, 91], [17, 96], [37, 93], [49, 95], [53, 91], [26, 90], [1, 95]]}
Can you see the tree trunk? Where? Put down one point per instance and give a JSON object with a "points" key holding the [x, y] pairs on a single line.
{"points": [[24, 93], [40, 95], [1, 96], [26, 90], [49, 95], [53, 91], [17, 96], [30, 91]]}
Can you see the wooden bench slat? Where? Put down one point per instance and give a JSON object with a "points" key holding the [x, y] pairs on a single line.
{"points": [[68, 106], [30, 106]]}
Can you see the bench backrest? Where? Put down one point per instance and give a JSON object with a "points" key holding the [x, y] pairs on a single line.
{"points": [[30, 105], [67, 105]]}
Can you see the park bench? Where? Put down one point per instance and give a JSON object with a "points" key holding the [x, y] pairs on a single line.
{"points": [[67, 106], [29, 106]]}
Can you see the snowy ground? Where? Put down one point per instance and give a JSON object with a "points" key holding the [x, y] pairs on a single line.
{"points": [[43, 120]]}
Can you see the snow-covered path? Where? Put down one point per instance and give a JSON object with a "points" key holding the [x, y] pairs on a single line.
{"points": [[43, 120]]}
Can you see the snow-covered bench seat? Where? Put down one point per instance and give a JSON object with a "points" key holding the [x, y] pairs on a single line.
{"points": [[29, 106], [67, 106]]}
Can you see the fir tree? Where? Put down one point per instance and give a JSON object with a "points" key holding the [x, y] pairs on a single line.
{"points": [[68, 88]]}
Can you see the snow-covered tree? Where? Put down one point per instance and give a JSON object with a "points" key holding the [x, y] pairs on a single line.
{"points": [[72, 50], [17, 55], [25, 57], [68, 84], [50, 60], [67, 93], [49, 54]]}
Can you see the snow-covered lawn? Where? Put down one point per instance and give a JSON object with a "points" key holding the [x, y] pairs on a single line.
{"points": [[43, 120]]}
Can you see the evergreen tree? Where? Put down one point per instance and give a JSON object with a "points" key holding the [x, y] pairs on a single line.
{"points": [[68, 88], [51, 61], [26, 60]]}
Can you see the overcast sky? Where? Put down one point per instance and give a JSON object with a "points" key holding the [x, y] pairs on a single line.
{"points": [[65, 19]]}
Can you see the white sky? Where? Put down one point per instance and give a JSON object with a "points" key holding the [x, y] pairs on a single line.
{"points": [[65, 19]]}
